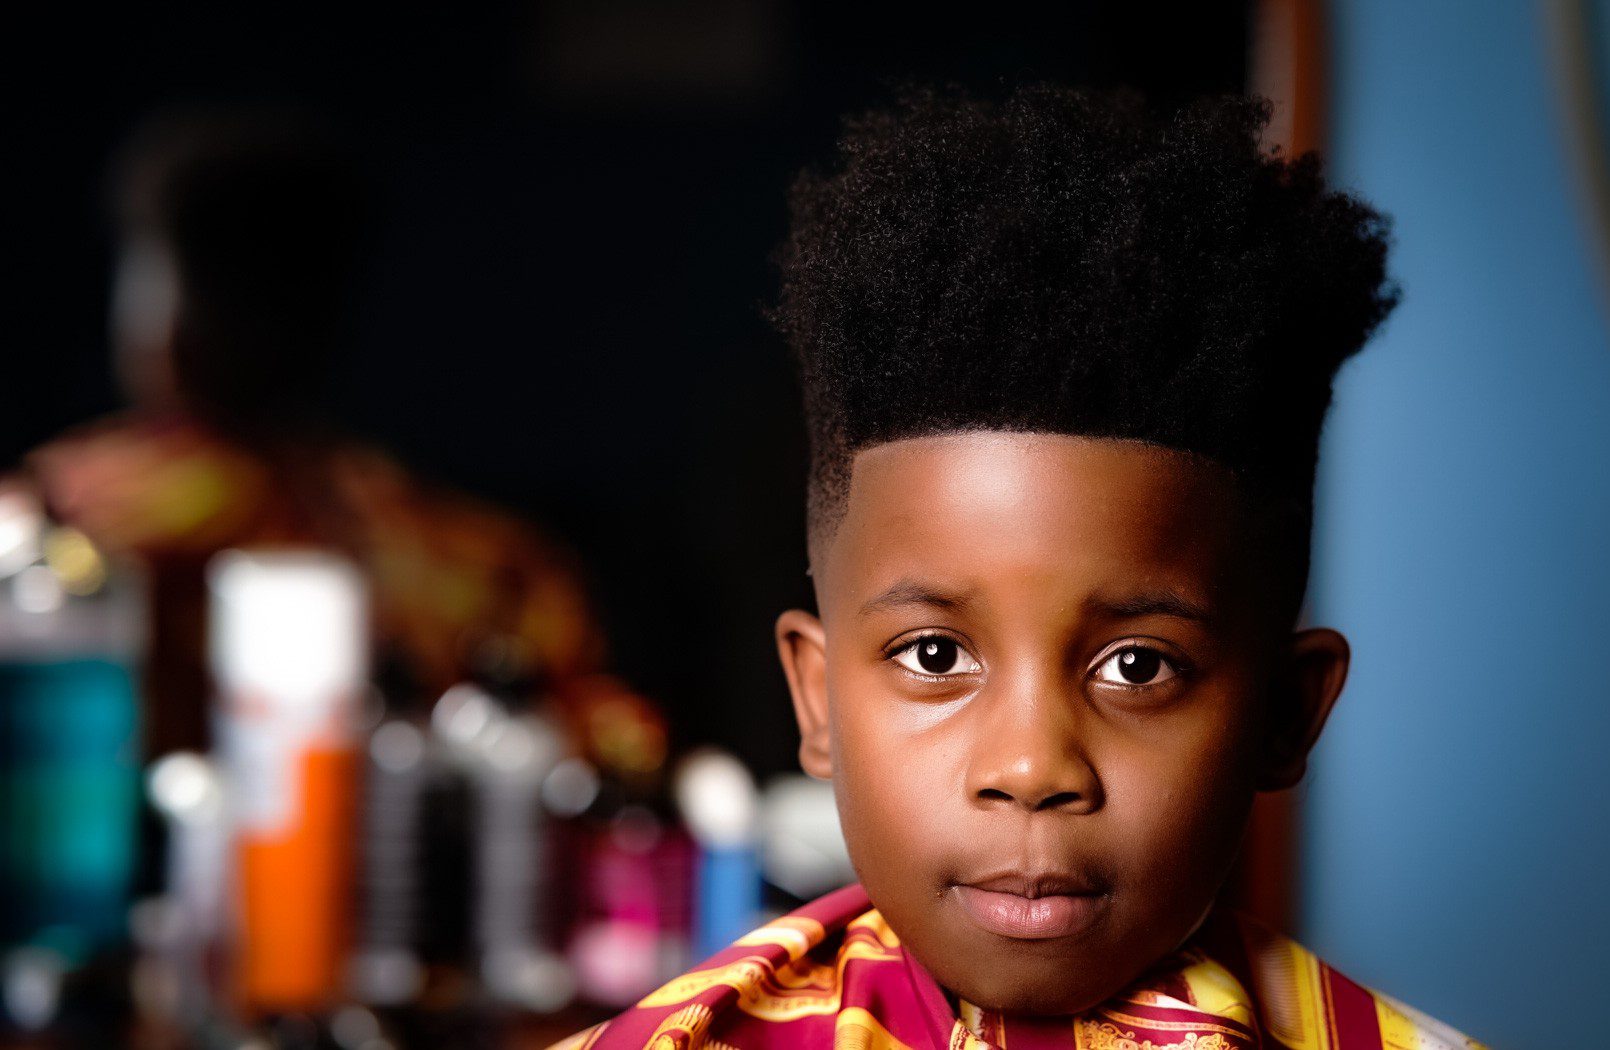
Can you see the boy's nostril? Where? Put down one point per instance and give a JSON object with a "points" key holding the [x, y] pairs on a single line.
{"points": [[1061, 798]]}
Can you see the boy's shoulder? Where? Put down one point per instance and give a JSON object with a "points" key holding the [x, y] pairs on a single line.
{"points": [[834, 974], [1303, 1002]]}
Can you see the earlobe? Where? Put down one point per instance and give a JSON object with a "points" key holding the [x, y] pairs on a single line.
{"points": [[1313, 678], [802, 647]]}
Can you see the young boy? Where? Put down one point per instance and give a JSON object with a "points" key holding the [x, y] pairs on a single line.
{"points": [[1065, 365]]}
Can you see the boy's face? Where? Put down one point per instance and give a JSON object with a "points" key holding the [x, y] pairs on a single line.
{"points": [[1046, 683]]}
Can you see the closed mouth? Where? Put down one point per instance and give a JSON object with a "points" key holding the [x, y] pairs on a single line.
{"points": [[1032, 906], [1038, 884]]}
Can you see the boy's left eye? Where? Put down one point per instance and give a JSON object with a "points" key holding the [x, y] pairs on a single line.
{"points": [[1136, 665], [935, 656]]}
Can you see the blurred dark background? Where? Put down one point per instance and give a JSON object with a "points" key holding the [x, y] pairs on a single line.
{"points": [[561, 307]]}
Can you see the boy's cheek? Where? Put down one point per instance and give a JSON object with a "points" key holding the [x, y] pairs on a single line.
{"points": [[891, 799], [1179, 827]]}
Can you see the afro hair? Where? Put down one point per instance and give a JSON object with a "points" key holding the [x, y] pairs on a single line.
{"points": [[1075, 262]]}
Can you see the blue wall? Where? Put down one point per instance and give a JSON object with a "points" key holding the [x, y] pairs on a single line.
{"points": [[1458, 814]]}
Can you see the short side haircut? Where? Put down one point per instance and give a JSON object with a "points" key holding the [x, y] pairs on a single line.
{"points": [[1075, 262]]}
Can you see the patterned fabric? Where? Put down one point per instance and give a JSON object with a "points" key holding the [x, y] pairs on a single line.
{"points": [[834, 975]]}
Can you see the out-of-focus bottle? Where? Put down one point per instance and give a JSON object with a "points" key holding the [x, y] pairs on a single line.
{"points": [[289, 647], [719, 804], [387, 966], [177, 934], [71, 629], [633, 866], [505, 745], [801, 841]]}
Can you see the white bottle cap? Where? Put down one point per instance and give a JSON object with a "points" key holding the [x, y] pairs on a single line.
{"points": [[288, 628], [718, 799]]}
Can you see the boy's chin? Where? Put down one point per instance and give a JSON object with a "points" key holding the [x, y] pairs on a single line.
{"points": [[1031, 992]]}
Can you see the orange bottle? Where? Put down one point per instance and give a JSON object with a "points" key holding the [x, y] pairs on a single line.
{"points": [[289, 655]]}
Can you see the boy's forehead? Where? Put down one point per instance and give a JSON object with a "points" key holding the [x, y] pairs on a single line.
{"points": [[1115, 512]]}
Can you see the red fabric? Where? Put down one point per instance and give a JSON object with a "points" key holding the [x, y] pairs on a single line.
{"points": [[833, 974]]}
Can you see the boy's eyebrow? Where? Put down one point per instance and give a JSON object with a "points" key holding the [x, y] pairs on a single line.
{"points": [[910, 592], [1165, 602], [1152, 603]]}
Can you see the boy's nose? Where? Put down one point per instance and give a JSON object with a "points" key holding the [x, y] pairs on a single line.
{"points": [[1029, 756]]}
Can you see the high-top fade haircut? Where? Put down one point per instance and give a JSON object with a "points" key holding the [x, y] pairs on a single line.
{"points": [[1076, 262]]}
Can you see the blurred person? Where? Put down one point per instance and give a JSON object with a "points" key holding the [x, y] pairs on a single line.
{"points": [[1065, 363], [239, 238]]}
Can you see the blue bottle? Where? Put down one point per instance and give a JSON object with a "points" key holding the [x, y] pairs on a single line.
{"points": [[70, 632], [719, 804]]}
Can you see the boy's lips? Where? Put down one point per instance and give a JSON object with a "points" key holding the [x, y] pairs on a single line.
{"points": [[1036, 906]]}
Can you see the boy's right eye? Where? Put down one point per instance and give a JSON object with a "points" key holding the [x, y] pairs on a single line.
{"points": [[936, 656]]}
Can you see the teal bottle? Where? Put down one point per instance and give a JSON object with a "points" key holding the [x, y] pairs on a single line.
{"points": [[70, 631]]}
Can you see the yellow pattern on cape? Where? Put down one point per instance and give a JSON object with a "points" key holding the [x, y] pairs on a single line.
{"points": [[1405, 1028], [1212, 989], [1287, 997], [963, 1038], [801, 988], [1295, 1009], [1104, 1035], [683, 1030], [984, 1026], [873, 923], [857, 1029], [797, 935]]}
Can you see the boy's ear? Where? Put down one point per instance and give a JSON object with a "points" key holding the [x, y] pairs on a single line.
{"points": [[1305, 692], [802, 646]]}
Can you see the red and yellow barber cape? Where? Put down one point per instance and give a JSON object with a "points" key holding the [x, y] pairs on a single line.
{"points": [[834, 975]]}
